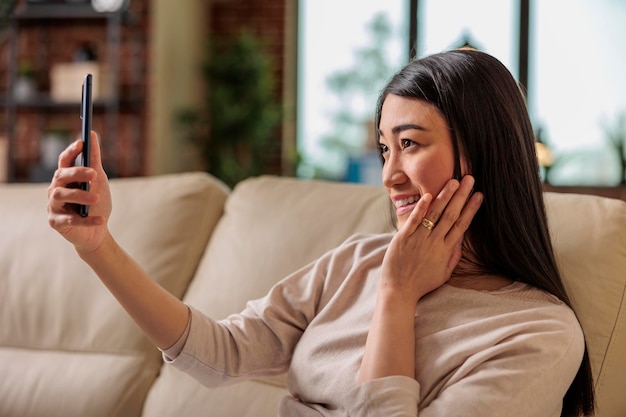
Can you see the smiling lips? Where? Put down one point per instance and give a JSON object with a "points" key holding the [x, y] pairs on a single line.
{"points": [[402, 202]]}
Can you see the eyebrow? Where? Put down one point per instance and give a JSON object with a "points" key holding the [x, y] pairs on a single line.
{"points": [[402, 128]]}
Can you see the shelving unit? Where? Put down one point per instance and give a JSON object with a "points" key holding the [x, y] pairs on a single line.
{"points": [[617, 192], [44, 18]]}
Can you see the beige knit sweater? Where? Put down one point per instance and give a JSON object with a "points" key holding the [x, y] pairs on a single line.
{"points": [[510, 352]]}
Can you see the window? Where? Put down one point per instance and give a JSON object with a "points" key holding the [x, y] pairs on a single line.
{"points": [[347, 51], [487, 25], [572, 72], [577, 88]]}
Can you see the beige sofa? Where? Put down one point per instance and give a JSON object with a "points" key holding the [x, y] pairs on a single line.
{"points": [[67, 349]]}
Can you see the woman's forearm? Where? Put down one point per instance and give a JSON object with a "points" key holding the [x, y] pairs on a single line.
{"points": [[390, 346], [160, 315]]}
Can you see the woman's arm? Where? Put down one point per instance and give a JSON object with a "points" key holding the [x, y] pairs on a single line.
{"points": [[159, 314]]}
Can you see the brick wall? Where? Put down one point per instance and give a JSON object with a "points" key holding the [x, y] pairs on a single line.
{"points": [[50, 42], [47, 42], [265, 18]]}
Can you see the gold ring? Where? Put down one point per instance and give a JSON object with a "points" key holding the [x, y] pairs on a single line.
{"points": [[427, 224]]}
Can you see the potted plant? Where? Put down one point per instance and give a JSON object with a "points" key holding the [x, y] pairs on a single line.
{"points": [[237, 123]]}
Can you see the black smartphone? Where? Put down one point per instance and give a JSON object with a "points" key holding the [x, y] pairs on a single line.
{"points": [[86, 112]]}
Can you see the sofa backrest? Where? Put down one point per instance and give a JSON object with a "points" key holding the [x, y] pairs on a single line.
{"points": [[66, 347], [589, 236]]}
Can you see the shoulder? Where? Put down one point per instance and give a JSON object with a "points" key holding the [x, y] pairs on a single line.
{"points": [[362, 246], [368, 239], [356, 256], [515, 297], [539, 308], [521, 340], [515, 316]]}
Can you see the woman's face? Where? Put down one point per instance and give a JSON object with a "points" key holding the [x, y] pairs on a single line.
{"points": [[417, 150]]}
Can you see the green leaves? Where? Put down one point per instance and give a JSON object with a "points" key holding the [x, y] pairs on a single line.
{"points": [[235, 130]]}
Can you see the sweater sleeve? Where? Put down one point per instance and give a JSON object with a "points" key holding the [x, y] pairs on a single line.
{"points": [[260, 340]]}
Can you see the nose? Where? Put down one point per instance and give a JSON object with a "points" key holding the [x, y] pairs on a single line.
{"points": [[393, 171]]}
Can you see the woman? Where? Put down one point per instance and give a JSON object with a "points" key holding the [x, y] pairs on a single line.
{"points": [[460, 312]]}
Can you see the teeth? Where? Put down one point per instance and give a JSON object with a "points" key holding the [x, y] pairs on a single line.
{"points": [[406, 201]]}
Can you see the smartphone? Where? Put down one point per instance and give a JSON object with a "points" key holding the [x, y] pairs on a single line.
{"points": [[86, 112]]}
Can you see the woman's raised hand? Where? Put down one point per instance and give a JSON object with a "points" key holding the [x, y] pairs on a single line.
{"points": [[85, 233], [425, 251], [160, 315]]}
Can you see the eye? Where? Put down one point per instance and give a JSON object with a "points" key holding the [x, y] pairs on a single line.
{"points": [[382, 148], [407, 143]]}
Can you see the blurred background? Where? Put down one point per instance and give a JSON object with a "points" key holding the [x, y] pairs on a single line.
{"points": [[288, 87]]}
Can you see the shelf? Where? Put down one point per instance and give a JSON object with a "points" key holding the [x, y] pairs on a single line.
{"points": [[120, 114], [44, 102], [618, 192], [56, 11]]}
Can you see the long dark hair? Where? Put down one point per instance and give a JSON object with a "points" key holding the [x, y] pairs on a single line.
{"points": [[489, 123]]}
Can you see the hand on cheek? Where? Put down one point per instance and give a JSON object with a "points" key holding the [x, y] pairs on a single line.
{"points": [[424, 252]]}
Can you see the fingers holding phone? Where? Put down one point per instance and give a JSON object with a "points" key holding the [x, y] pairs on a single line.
{"points": [[79, 200], [65, 194]]}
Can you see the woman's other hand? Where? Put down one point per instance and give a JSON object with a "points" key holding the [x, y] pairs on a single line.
{"points": [[85, 233], [425, 251]]}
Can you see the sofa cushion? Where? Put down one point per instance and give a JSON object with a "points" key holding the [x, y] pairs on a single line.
{"points": [[61, 332], [271, 227], [589, 236], [46, 382], [177, 394]]}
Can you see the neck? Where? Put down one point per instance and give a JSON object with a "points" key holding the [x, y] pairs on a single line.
{"points": [[472, 275]]}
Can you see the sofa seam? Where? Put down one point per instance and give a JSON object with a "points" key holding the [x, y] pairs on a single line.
{"points": [[615, 331], [206, 220], [73, 351], [146, 372]]}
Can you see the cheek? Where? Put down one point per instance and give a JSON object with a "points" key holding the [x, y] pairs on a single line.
{"points": [[433, 173]]}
